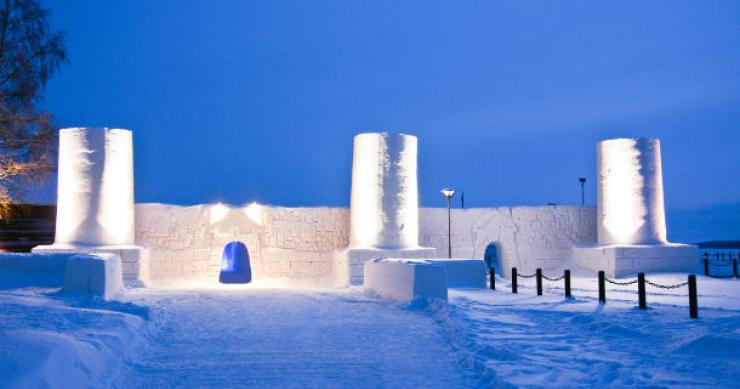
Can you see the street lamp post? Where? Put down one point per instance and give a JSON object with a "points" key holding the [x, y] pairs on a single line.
{"points": [[448, 193], [582, 180]]}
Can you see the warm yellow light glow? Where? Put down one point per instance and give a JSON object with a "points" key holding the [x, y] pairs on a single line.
{"points": [[625, 214], [630, 192], [254, 212], [217, 212]]}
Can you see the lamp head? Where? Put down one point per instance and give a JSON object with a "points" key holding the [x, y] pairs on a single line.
{"points": [[448, 193], [582, 180]]}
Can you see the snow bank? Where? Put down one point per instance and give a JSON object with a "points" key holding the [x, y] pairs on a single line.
{"points": [[406, 280], [463, 273], [65, 342], [98, 274]]}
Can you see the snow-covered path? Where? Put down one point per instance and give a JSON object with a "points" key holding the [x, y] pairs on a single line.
{"points": [[278, 338]]}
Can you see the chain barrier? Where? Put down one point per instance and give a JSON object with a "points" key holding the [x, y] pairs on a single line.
{"points": [[526, 275], [553, 279], [625, 283], [659, 286]]}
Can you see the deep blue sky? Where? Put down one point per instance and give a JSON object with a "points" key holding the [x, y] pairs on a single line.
{"points": [[237, 101]]}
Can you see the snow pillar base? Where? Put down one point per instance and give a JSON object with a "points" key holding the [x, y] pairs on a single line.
{"points": [[628, 260], [350, 263], [406, 280], [134, 259], [463, 273]]}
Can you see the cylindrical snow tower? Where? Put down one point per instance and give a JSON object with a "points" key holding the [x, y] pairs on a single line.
{"points": [[385, 196], [630, 192], [95, 189]]}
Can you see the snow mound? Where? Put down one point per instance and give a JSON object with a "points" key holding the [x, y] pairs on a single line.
{"points": [[97, 274], [63, 341], [710, 346]]}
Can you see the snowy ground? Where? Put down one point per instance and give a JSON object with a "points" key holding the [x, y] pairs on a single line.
{"points": [[550, 342], [276, 337]]}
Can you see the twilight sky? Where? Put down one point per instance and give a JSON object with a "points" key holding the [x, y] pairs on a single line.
{"points": [[237, 101]]}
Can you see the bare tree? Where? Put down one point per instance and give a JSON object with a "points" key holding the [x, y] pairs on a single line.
{"points": [[29, 54]]}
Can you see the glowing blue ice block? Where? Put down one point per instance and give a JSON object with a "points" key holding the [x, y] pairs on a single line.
{"points": [[235, 268]]}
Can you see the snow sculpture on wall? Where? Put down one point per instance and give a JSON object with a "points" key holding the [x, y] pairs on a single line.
{"points": [[95, 197], [630, 213], [235, 267]]}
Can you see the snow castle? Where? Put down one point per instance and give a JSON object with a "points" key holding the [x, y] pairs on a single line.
{"points": [[329, 246]]}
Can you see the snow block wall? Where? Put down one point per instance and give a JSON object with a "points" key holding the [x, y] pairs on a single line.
{"points": [[301, 243], [296, 243], [526, 237]]}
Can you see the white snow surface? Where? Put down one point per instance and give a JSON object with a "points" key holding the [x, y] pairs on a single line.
{"points": [[260, 336], [405, 279], [98, 274], [50, 340]]}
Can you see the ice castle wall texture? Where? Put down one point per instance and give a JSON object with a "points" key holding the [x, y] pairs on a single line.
{"points": [[300, 243], [95, 192], [385, 200], [630, 192]]}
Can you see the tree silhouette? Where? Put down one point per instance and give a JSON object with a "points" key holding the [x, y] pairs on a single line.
{"points": [[30, 53]]}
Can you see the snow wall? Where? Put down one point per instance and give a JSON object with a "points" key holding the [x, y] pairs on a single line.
{"points": [[300, 243]]}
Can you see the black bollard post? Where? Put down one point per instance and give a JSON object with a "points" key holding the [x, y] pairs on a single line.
{"points": [[492, 277], [567, 284], [602, 288], [641, 290], [539, 282], [513, 280], [693, 302]]}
